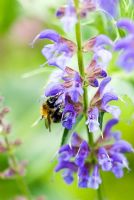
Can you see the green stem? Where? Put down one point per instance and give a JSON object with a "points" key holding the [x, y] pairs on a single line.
{"points": [[99, 193], [20, 180], [81, 68], [82, 73], [64, 136]]}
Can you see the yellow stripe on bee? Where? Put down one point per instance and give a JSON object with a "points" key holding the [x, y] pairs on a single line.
{"points": [[44, 111]]}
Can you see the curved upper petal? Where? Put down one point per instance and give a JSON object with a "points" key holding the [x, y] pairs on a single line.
{"points": [[103, 84], [124, 43], [126, 60], [108, 127], [126, 24], [47, 34], [103, 40]]}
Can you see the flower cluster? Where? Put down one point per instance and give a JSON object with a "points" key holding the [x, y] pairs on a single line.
{"points": [[107, 155], [99, 103], [126, 45], [6, 147], [68, 93]]}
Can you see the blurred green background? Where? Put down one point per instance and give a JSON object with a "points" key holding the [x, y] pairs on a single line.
{"points": [[20, 21]]}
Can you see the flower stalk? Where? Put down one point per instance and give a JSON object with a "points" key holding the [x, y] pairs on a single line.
{"points": [[81, 67], [20, 180], [15, 169], [82, 73]]}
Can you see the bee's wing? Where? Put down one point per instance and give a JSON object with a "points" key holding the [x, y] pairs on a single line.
{"points": [[36, 122]]}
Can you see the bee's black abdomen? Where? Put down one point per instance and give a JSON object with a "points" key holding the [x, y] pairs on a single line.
{"points": [[57, 115]]}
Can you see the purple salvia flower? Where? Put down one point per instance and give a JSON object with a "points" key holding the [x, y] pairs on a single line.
{"points": [[109, 7], [100, 103], [98, 45], [86, 7], [126, 24], [73, 84], [60, 52], [126, 60], [93, 72], [77, 158], [68, 16], [126, 45], [111, 156]]}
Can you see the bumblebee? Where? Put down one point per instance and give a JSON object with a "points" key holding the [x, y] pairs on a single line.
{"points": [[51, 112]]}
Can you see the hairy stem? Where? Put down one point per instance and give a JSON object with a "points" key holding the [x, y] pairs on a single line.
{"points": [[81, 67], [20, 180]]}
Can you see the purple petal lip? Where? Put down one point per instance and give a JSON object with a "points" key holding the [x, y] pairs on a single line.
{"points": [[126, 24]]}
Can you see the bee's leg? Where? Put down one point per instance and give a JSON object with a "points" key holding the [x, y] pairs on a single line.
{"points": [[49, 123]]}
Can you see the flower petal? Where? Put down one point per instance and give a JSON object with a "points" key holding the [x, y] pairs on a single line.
{"points": [[126, 24], [108, 127]]}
